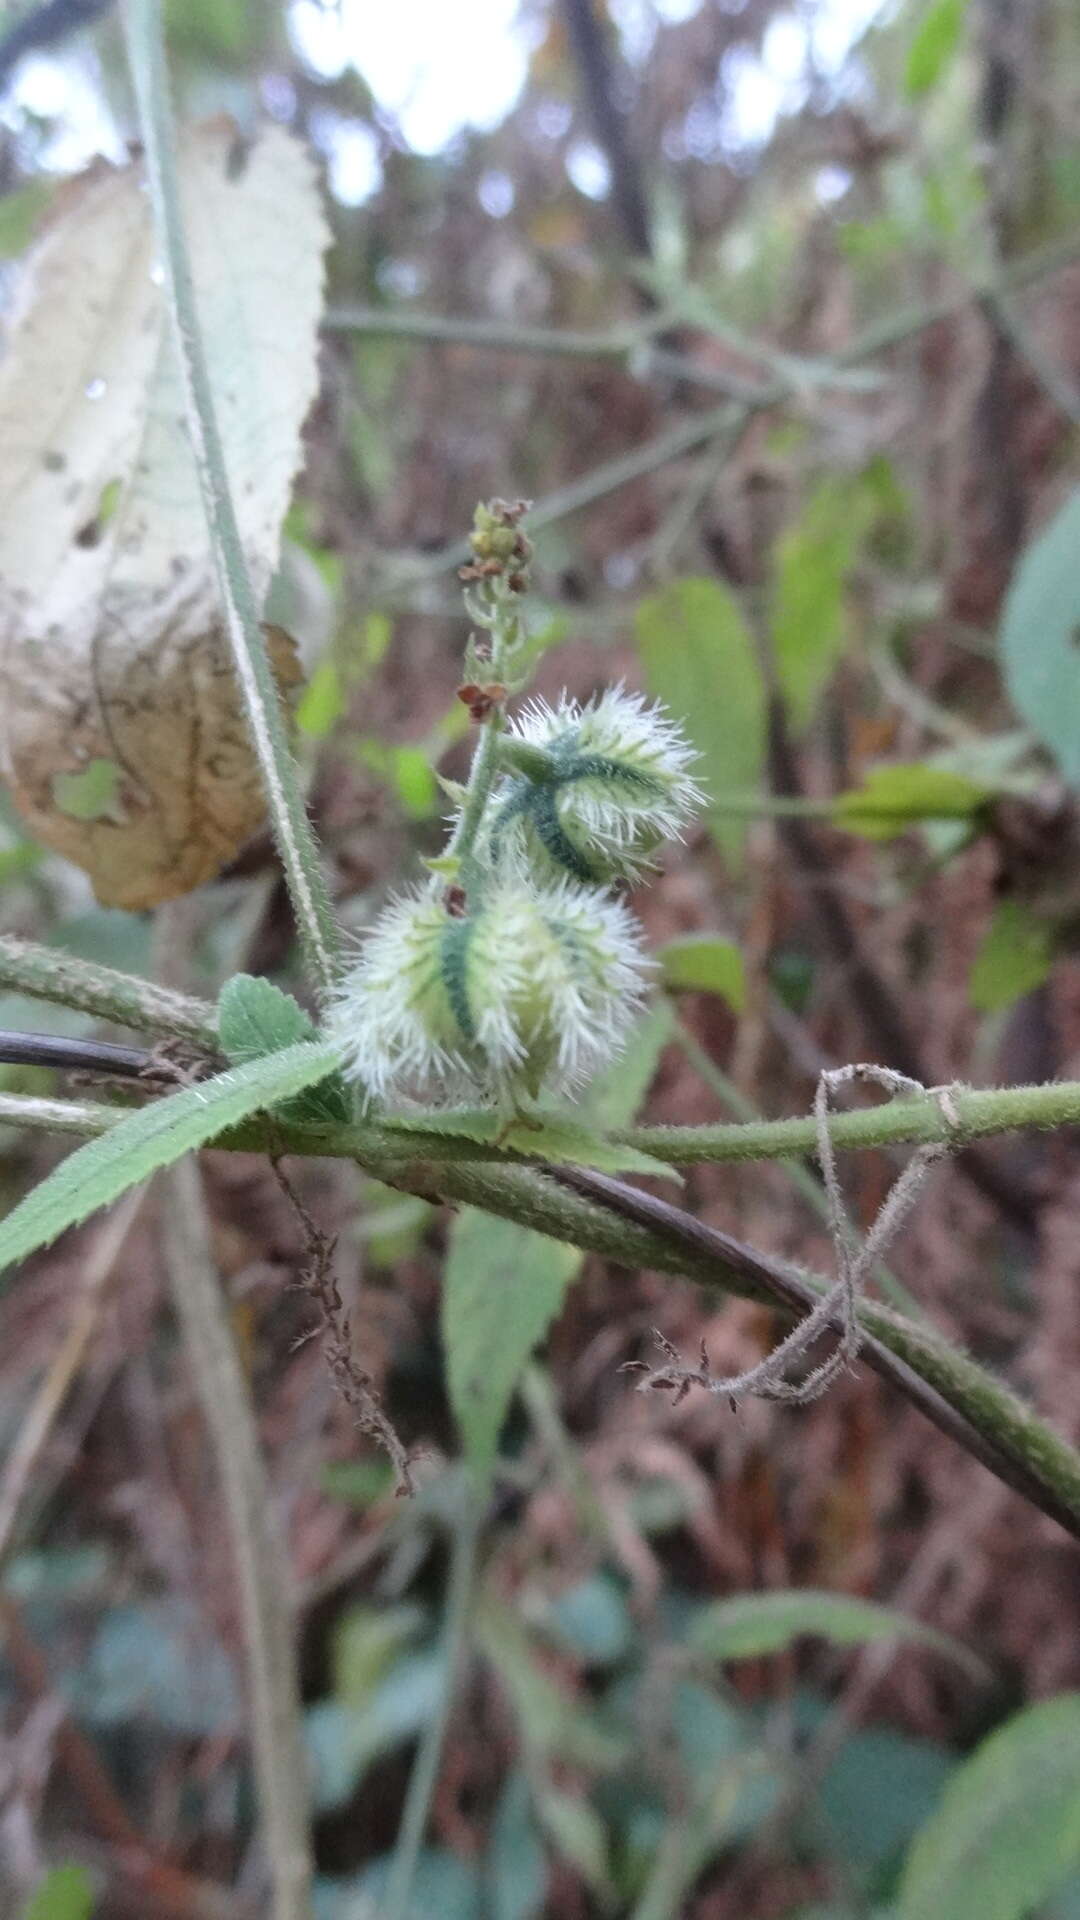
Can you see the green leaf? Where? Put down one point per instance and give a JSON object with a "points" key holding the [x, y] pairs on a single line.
{"points": [[1040, 637], [366, 1642], [552, 1722], [155, 1137], [503, 1286], [417, 787], [700, 960], [256, 1018], [1014, 957], [65, 1894], [613, 1099], [1007, 1832], [578, 1834], [877, 1793], [553, 1137], [343, 1741], [559, 1140], [936, 40], [809, 622], [754, 1623], [592, 1620], [322, 701], [701, 662], [892, 799], [515, 1866]]}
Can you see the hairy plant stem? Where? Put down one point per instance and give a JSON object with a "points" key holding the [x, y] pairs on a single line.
{"points": [[974, 1114], [626, 1225], [979, 1113], [265, 1603], [296, 843], [804, 1182], [48, 974]]}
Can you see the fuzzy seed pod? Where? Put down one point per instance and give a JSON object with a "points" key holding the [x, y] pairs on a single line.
{"points": [[595, 789], [522, 988]]}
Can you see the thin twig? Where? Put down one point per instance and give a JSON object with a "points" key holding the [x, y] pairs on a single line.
{"points": [[261, 1568], [405, 572]]}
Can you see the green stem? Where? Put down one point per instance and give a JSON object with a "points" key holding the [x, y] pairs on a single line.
{"points": [[979, 1113], [801, 1178], [423, 1779], [48, 974], [503, 624], [481, 779], [631, 1228], [292, 831], [494, 336]]}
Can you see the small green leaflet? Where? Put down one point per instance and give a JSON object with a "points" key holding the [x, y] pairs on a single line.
{"points": [[515, 1864], [553, 1723], [704, 962], [256, 1018], [700, 660], [615, 1096], [1014, 957], [756, 1623], [936, 40], [65, 1894], [322, 701], [502, 1287], [892, 799], [155, 1137], [1007, 1831], [1040, 637], [550, 1137], [578, 1835]]}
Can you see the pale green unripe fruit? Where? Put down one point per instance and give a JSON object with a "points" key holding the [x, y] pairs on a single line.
{"points": [[592, 791], [517, 990]]}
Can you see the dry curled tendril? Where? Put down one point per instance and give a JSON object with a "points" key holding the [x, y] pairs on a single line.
{"points": [[771, 1378]]}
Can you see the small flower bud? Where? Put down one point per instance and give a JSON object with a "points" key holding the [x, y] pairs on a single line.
{"points": [[515, 989], [612, 784]]}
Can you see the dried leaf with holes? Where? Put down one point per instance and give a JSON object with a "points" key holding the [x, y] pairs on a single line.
{"points": [[121, 728]]}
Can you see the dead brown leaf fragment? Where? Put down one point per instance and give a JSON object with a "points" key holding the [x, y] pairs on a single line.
{"points": [[121, 728]]}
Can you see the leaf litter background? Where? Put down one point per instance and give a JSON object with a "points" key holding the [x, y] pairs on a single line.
{"points": [[868, 530]]}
